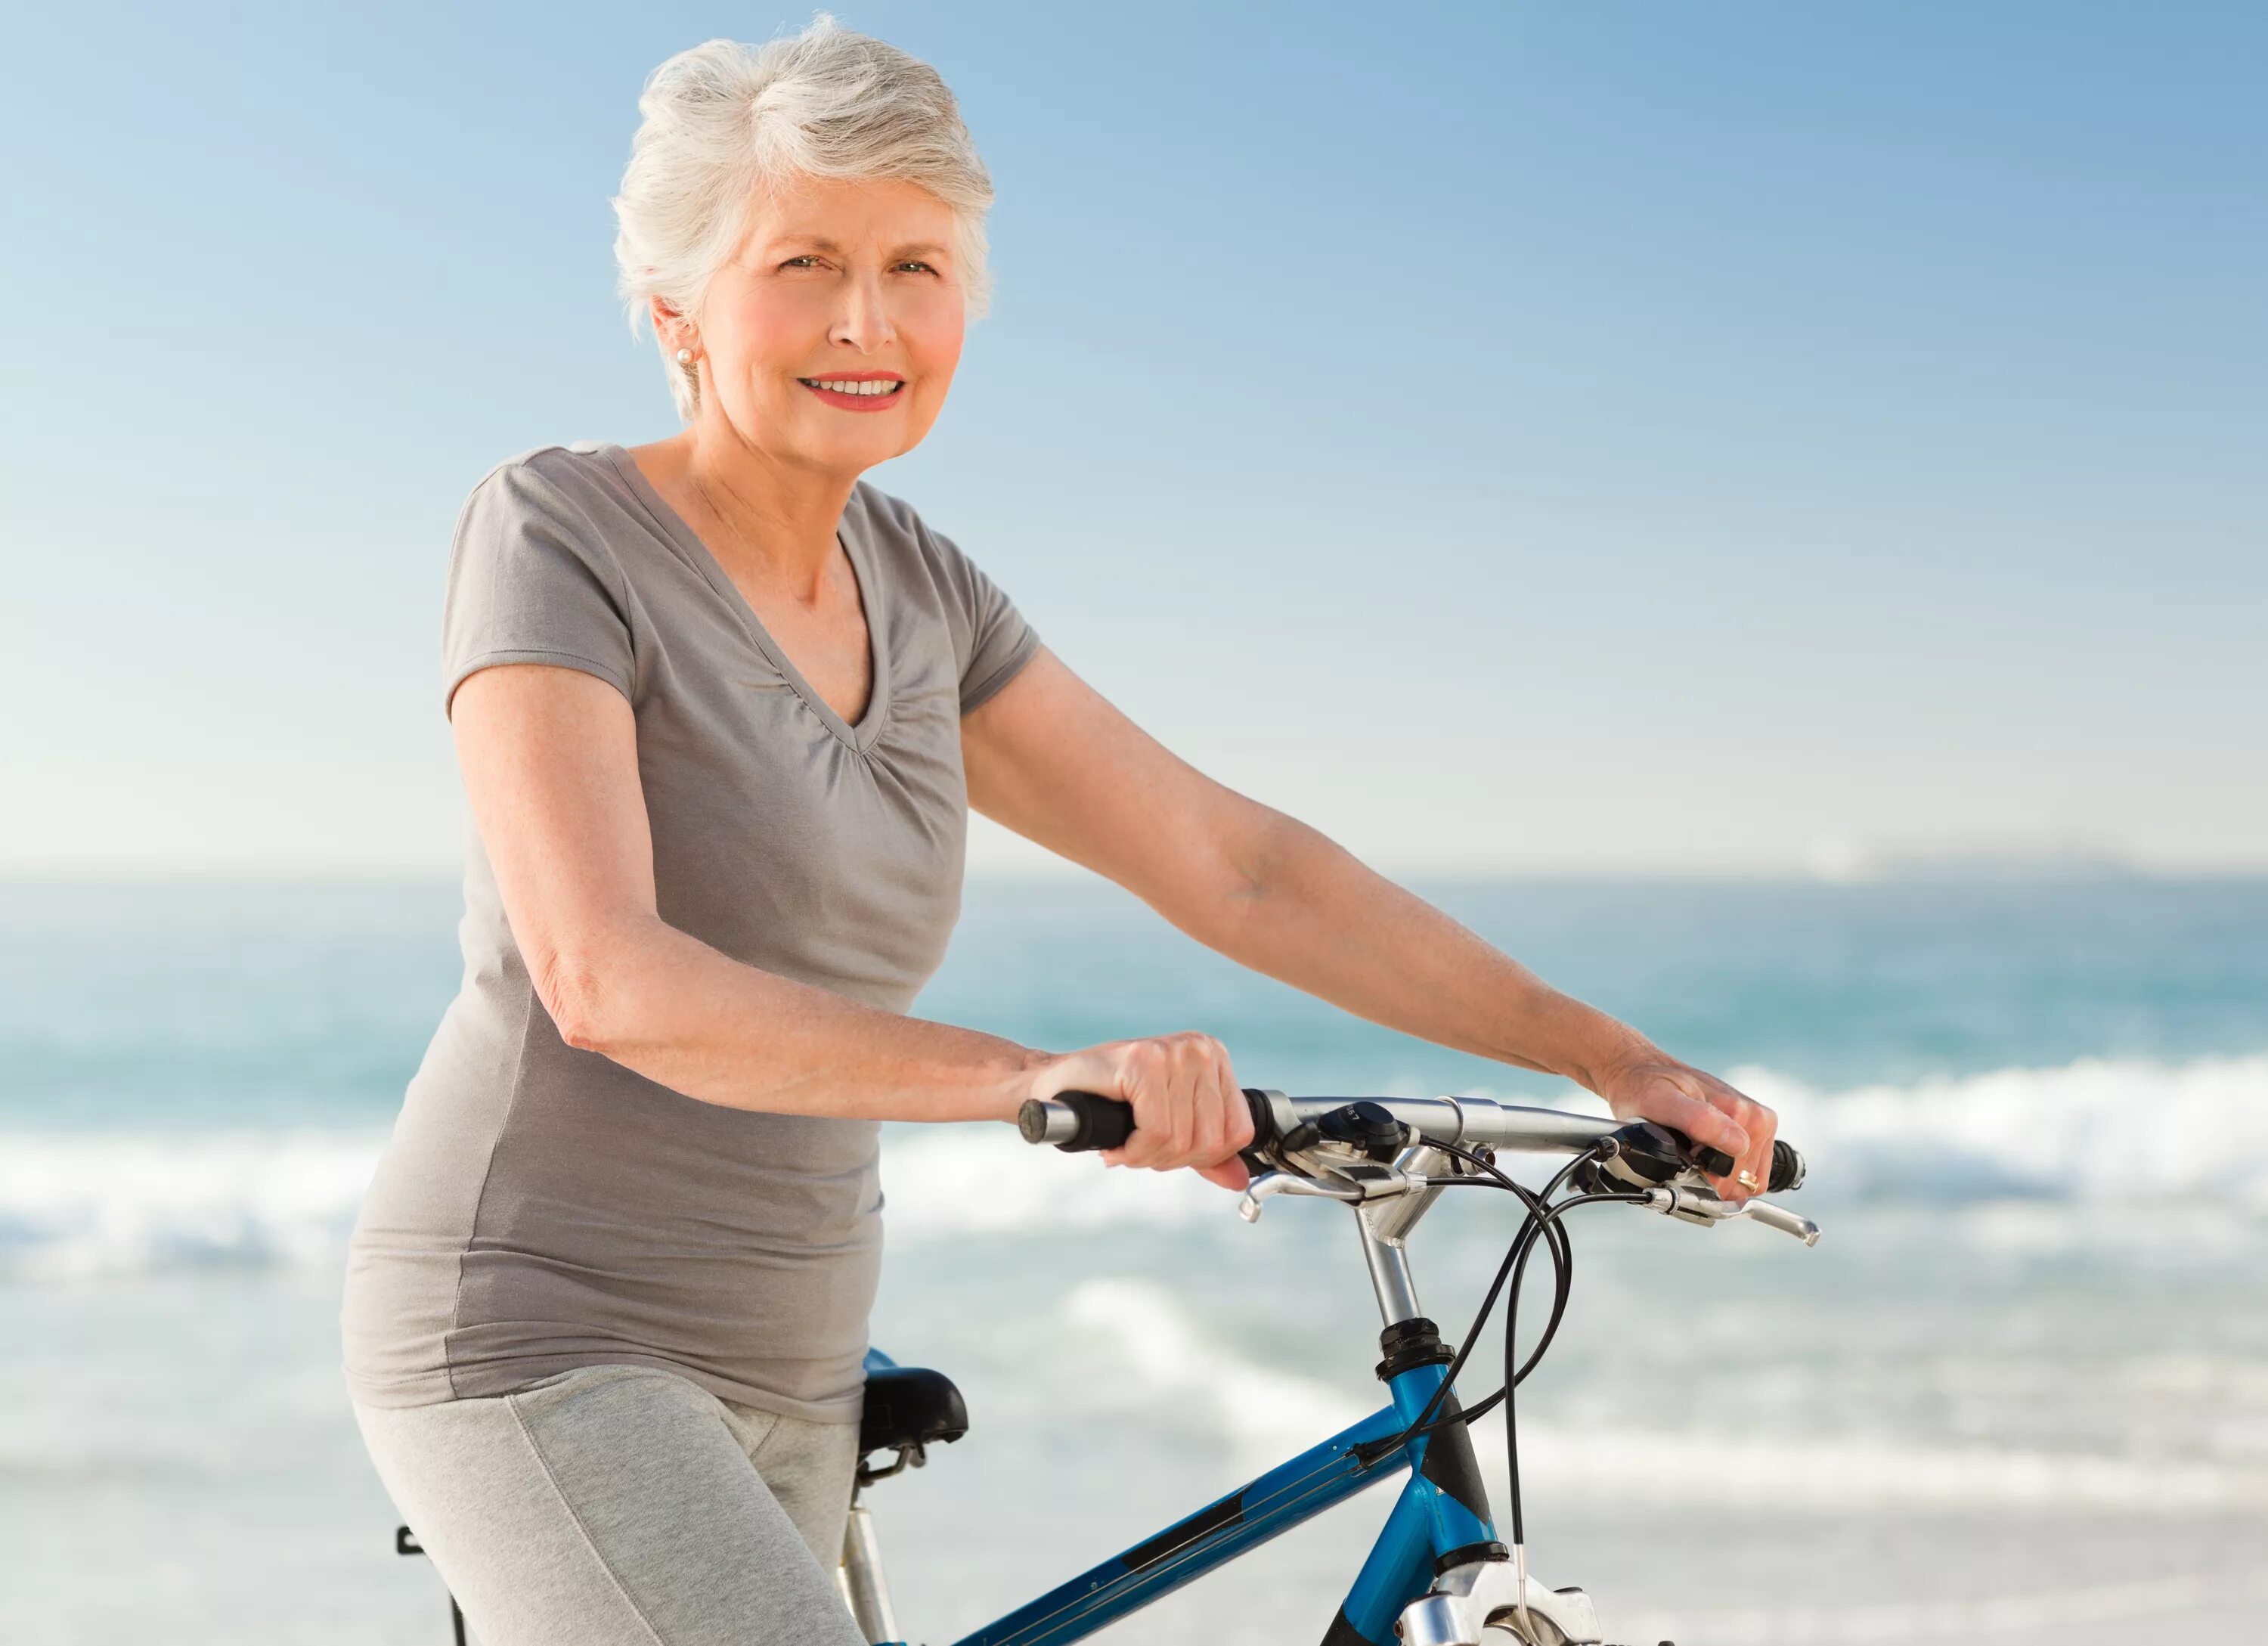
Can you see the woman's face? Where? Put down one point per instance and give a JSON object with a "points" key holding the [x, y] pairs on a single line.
{"points": [[852, 285]]}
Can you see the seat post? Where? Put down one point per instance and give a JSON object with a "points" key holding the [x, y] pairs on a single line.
{"points": [[859, 1577]]}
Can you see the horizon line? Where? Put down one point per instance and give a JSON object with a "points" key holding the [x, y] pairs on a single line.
{"points": [[1920, 873]]}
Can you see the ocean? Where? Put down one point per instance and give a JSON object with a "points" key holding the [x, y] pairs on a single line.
{"points": [[2019, 1391]]}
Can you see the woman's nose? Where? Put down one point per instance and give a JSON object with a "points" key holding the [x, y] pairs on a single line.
{"points": [[865, 322]]}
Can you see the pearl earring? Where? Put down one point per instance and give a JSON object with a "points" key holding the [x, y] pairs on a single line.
{"points": [[685, 356]]}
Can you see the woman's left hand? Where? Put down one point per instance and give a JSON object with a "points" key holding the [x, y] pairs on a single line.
{"points": [[1654, 1086]]}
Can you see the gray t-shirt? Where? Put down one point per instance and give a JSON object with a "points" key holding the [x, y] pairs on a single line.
{"points": [[540, 1207]]}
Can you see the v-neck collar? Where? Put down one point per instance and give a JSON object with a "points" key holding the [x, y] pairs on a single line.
{"points": [[673, 527]]}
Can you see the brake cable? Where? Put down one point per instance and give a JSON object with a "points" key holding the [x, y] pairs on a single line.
{"points": [[1537, 1218], [1541, 1221]]}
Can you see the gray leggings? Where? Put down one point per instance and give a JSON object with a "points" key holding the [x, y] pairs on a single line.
{"points": [[625, 1506]]}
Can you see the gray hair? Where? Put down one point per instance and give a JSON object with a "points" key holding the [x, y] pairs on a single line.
{"points": [[725, 120]]}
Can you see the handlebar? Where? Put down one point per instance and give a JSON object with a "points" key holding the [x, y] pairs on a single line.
{"points": [[1081, 1122]]}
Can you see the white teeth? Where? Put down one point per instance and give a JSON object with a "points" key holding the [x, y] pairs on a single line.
{"points": [[881, 387]]}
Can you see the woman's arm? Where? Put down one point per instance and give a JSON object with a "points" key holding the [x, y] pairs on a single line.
{"points": [[1054, 760], [549, 757]]}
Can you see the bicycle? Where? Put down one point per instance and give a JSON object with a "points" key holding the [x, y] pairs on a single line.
{"points": [[1437, 1574]]}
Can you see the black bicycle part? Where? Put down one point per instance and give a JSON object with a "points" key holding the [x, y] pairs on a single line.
{"points": [[1641, 1155], [1415, 1341], [1788, 1170], [405, 1542], [907, 1410], [1444, 1564], [909, 1406], [1099, 1122], [1102, 1123], [1645, 1155], [1366, 1126]]}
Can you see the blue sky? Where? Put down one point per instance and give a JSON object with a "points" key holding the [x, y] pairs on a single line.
{"points": [[1591, 438]]}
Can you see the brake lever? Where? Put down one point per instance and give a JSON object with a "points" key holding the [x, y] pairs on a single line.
{"points": [[1350, 1182], [1269, 1185], [1784, 1221], [1702, 1206]]}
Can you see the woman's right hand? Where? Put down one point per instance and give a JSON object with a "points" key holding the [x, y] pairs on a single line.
{"points": [[1188, 1108]]}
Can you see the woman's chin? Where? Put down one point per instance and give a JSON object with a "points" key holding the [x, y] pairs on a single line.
{"points": [[854, 452]]}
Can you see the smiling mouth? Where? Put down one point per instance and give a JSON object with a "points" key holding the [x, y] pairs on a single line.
{"points": [[864, 388]]}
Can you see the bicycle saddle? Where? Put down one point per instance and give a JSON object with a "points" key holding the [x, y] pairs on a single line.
{"points": [[907, 1407]]}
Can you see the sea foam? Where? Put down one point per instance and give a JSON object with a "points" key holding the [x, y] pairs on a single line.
{"points": [[77, 1204], [1164, 1363]]}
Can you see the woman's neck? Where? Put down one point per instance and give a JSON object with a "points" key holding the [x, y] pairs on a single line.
{"points": [[772, 521]]}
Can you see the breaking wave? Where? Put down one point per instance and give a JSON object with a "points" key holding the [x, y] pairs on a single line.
{"points": [[1162, 1362], [76, 1204], [2102, 1129]]}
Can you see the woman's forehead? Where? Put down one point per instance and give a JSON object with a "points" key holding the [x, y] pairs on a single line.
{"points": [[846, 211]]}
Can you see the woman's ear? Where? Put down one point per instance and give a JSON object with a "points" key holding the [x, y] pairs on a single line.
{"points": [[675, 331]]}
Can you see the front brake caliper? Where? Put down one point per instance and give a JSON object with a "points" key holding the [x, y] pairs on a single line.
{"points": [[1486, 1595]]}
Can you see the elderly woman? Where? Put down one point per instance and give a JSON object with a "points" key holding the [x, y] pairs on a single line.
{"points": [[721, 709]]}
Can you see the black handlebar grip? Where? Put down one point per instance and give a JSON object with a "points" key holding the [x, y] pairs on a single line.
{"points": [[1103, 1122], [1787, 1166], [1106, 1122]]}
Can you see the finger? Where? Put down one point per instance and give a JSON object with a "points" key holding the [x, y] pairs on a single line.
{"points": [[1236, 1114], [1168, 1146], [1143, 1084], [1762, 1125], [1241, 1130], [1153, 1146], [1197, 1071], [1229, 1174], [1186, 1085], [1727, 1183], [1212, 1139], [1699, 1119], [1752, 1170]]}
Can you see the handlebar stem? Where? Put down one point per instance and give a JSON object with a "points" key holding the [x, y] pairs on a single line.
{"points": [[1389, 1274]]}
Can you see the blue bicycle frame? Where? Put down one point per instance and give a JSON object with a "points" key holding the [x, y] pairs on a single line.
{"points": [[1443, 1508]]}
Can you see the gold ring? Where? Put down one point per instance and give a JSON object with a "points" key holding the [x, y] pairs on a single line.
{"points": [[1745, 1179]]}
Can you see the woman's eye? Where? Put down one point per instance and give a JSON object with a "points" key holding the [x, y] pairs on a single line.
{"points": [[924, 268], [804, 262]]}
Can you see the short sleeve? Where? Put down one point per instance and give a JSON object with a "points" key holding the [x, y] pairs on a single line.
{"points": [[531, 582], [990, 639]]}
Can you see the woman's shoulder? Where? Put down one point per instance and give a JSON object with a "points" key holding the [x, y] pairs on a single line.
{"points": [[881, 514], [575, 490], [895, 531], [549, 506], [550, 474], [534, 576], [989, 637]]}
